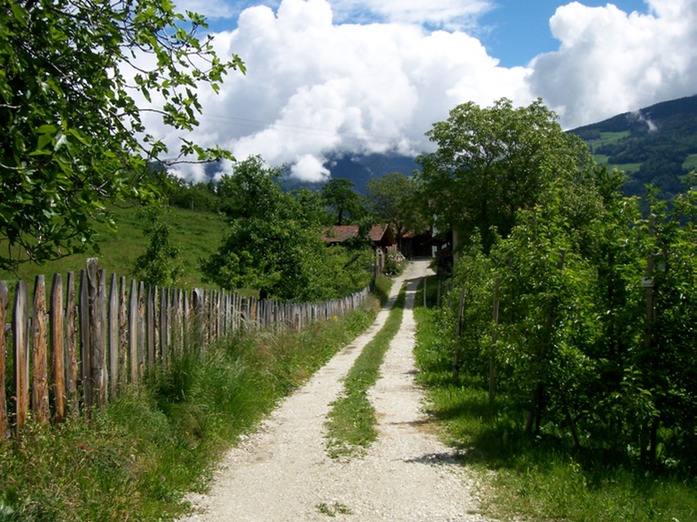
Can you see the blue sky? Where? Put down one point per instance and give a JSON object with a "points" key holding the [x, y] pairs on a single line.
{"points": [[327, 77], [515, 31]]}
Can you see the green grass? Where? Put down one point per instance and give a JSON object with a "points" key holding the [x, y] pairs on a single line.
{"points": [[607, 138], [690, 162], [332, 510], [628, 167], [543, 478], [196, 234], [610, 137], [601, 158], [351, 421], [135, 459], [625, 167]]}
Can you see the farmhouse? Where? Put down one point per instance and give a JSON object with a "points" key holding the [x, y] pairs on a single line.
{"points": [[380, 235]]}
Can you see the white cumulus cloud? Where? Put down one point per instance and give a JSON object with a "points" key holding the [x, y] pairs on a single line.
{"points": [[327, 77], [610, 61], [315, 87]]}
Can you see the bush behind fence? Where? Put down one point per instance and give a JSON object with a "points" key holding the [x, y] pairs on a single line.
{"points": [[90, 338]]}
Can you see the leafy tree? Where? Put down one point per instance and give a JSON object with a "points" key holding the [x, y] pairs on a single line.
{"points": [[160, 264], [393, 200], [275, 243], [73, 132], [311, 205], [194, 196], [589, 339], [345, 202], [546, 318], [251, 191], [492, 162]]}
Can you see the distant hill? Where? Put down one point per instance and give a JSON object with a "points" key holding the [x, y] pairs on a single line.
{"points": [[360, 168], [657, 144]]}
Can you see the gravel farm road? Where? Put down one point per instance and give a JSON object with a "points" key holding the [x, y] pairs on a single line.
{"points": [[282, 472]]}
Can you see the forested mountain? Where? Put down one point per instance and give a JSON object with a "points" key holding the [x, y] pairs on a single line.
{"points": [[361, 168], [657, 144]]}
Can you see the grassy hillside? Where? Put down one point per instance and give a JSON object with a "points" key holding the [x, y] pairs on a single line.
{"points": [[656, 145], [196, 234]]}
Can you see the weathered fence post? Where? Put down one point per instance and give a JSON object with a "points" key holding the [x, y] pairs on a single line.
{"points": [[198, 318], [113, 344], [186, 324], [141, 330], [4, 426], [150, 325], [102, 314], [71, 344], [58, 348], [97, 339], [164, 325], [86, 368], [40, 364], [133, 331], [176, 327], [21, 350], [123, 332]]}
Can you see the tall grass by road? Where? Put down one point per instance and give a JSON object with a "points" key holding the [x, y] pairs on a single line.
{"points": [[542, 478], [135, 459]]}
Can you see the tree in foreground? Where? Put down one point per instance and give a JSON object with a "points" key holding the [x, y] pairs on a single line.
{"points": [[492, 162], [73, 134]]}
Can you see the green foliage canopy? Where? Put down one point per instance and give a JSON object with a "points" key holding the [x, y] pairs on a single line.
{"points": [[341, 198], [274, 243], [594, 338], [393, 200], [492, 162], [71, 72]]}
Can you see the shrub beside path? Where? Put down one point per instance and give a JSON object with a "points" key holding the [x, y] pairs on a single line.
{"points": [[283, 473]]}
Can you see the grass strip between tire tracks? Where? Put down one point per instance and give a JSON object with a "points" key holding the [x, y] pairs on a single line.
{"points": [[351, 421]]}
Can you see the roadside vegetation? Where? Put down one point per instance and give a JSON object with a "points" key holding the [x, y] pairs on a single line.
{"points": [[538, 478], [137, 458], [563, 353]]}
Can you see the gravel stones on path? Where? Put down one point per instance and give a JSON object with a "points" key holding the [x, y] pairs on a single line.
{"points": [[283, 473]]}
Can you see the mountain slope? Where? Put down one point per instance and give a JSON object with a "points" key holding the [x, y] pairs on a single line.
{"points": [[360, 168], [657, 144]]}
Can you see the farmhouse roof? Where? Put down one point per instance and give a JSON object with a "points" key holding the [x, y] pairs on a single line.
{"points": [[380, 235]]}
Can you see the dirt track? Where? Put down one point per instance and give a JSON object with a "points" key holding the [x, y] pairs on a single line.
{"points": [[283, 473]]}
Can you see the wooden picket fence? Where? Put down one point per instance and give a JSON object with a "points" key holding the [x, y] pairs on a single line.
{"points": [[78, 348]]}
